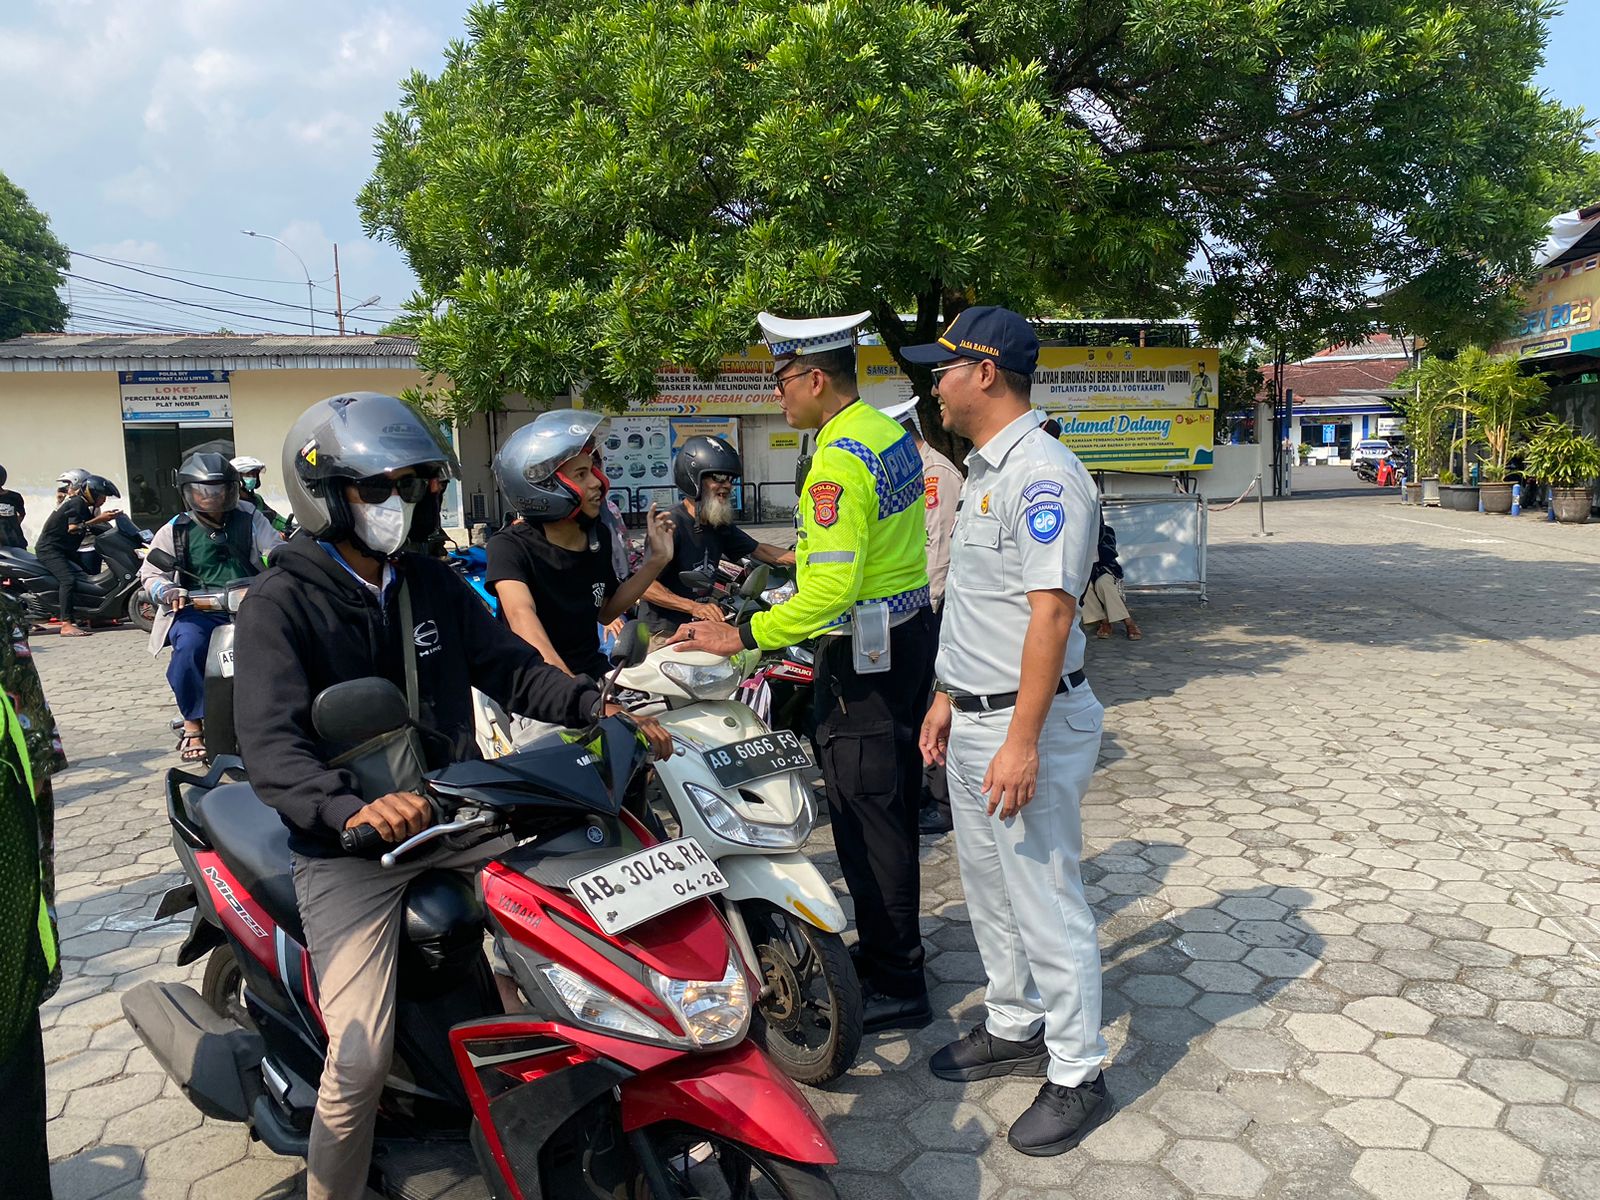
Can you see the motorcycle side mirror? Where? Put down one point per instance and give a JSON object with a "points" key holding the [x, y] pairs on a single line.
{"points": [[696, 581], [162, 560], [632, 645], [358, 710], [756, 582]]}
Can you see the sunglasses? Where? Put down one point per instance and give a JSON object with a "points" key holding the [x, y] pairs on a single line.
{"points": [[375, 489], [717, 477]]}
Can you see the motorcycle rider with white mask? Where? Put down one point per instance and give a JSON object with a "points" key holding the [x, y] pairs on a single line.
{"points": [[342, 601]]}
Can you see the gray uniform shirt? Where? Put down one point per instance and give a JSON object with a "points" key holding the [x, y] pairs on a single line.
{"points": [[1029, 522]]}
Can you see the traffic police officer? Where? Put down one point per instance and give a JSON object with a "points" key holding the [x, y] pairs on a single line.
{"points": [[862, 584], [1018, 727]]}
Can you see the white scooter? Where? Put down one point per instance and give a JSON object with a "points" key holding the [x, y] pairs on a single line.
{"points": [[741, 789]]}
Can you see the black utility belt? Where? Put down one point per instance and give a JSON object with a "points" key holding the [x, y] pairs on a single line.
{"points": [[999, 700]]}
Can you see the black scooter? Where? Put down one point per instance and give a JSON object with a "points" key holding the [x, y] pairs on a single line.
{"points": [[110, 594]]}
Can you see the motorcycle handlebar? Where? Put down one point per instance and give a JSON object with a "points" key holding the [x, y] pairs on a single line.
{"points": [[363, 841]]}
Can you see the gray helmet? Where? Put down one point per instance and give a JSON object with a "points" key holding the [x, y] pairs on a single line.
{"points": [[528, 467], [70, 481], [208, 469], [354, 436], [702, 456]]}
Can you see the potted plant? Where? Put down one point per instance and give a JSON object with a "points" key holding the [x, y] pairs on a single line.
{"points": [[1425, 405], [1456, 495], [1503, 400], [1566, 460], [1305, 454]]}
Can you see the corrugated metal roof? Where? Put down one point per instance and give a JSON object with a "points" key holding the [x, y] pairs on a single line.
{"points": [[60, 346]]}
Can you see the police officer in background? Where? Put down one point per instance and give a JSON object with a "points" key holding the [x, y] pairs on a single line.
{"points": [[1018, 727], [862, 584]]}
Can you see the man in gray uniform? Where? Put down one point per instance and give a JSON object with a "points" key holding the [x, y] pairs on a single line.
{"points": [[1018, 728]]}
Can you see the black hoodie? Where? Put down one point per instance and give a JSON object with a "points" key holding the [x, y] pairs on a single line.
{"points": [[307, 623]]}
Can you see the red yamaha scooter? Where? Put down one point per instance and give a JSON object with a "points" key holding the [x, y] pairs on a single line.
{"points": [[627, 1076]]}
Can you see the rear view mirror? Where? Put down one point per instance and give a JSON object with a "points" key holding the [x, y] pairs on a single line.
{"points": [[632, 646], [162, 560], [358, 710], [756, 582]]}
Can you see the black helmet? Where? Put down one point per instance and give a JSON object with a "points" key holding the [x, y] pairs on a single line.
{"points": [[2, 477], [354, 436], [209, 484], [528, 467], [99, 487], [703, 456]]}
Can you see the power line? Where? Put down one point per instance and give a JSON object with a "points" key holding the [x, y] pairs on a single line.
{"points": [[128, 262], [232, 312], [203, 286]]}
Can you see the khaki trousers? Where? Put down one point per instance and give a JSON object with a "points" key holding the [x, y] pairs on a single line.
{"points": [[1103, 602], [351, 910]]}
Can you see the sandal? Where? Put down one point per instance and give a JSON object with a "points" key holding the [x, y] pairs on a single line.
{"points": [[68, 630], [191, 746], [1103, 630], [1135, 634]]}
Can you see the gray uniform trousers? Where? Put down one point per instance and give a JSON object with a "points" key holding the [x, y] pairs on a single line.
{"points": [[1034, 927]]}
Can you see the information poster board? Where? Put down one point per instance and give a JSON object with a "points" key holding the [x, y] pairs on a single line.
{"points": [[743, 385], [1161, 541], [185, 397], [637, 452]]}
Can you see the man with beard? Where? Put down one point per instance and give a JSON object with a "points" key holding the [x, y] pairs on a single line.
{"points": [[703, 535]]}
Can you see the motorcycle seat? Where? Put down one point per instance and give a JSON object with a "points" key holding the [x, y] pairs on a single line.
{"points": [[24, 559], [253, 843]]}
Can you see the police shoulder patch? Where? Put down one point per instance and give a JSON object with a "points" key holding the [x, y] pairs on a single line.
{"points": [[1044, 520], [1041, 487], [825, 502]]}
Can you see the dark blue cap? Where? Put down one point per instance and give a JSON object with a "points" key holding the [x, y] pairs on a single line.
{"points": [[984, 331]]}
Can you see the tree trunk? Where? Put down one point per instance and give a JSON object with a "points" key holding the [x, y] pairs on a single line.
{"points": [[897, 336]]}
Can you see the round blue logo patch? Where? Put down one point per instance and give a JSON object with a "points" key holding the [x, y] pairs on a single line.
{"points": [[1045, 520]]}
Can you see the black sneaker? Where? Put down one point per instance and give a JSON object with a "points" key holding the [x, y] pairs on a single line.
{"points": [[931, 822], [981, 1055], [880, 1011], [1061, 1117]]}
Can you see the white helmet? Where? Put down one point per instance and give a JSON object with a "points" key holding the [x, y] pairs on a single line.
{"points": [[244, 464]]}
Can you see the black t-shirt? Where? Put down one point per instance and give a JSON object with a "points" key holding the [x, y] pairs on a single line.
{"points": [[12, 511], [74, 510], [569, 587], [694, 548]]}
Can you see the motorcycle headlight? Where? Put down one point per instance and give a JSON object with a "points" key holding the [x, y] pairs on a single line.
{"points": [[726, 822], [713, 1011], [593, 1005], [705, 681]]}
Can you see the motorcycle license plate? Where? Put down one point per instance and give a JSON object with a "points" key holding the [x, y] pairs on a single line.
{"points": [[225, 662], [758, 757], [631, 890]]}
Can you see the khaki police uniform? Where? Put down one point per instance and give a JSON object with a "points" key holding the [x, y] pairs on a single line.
{"points": [[1029, 522]]}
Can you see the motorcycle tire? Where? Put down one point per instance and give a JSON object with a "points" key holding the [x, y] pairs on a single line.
{"points": [[810, 1023], [142, 610], [223, 987], [702, 1164]]}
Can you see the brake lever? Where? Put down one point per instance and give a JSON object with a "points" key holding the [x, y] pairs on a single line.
{"points": [[481, 821]]}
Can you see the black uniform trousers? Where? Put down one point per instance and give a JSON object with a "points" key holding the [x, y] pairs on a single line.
{"points": [[867, 731], [67, 573], [22, 1116], [935, 788]]}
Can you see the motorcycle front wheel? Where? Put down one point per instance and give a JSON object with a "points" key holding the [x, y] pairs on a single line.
{"points": [[142, 610], [698, 1165], [809, 1021]]}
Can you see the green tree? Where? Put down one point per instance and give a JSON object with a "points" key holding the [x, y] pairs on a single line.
{"points": [[1238, 388], [588, 189], [31, 262]]}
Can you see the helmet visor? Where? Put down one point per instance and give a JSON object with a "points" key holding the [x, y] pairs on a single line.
{"points": [[364, 439], [553, 439], [211, 499]]}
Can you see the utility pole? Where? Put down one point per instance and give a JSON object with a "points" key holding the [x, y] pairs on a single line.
{"points": [[338, 294]]}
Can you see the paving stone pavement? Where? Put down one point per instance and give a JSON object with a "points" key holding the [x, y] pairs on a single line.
{"points": [[1344, 846]]}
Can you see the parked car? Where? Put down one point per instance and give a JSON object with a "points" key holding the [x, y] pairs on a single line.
{"points": [[1370, 450]]}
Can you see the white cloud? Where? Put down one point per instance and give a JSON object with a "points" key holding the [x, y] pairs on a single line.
{"points": [[149, 193]]}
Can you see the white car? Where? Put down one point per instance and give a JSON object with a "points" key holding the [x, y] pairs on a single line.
{"points": [[1370, 450]]}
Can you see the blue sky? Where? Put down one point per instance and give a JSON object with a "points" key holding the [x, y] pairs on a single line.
{"points": [[152, 131]]}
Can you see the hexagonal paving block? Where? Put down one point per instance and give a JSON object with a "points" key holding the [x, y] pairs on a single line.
{"points": [[1111, 1181], [1486, 1156], [1553, 1130], [1222, 977], [952, 1125], [1250, 1050], [1199, 1114], [1215, 1168], [1328, 1032], [1451, 1102], [1516, 1081], [1278, 963], [1536, 1017], [942, 1176], [1352, 1075], [1577, 1059], [1212, 946], [1379, 1123], [1419, 1057], [1390, 1014], [1407, 1175]]}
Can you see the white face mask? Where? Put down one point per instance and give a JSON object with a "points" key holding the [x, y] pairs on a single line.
{"points": [[382, 527]]}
